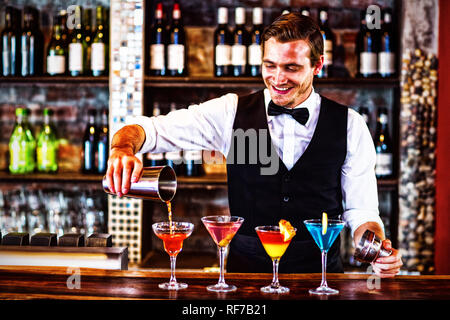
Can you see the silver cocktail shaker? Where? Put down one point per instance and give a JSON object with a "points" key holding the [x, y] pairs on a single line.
{"points": [[369, 248], [156, 183]]}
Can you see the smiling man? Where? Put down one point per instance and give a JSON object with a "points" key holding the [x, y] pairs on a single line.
{"points": [[325, 152]]}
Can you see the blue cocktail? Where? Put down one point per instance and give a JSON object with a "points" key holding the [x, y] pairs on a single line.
{"points": [[324, 236]]}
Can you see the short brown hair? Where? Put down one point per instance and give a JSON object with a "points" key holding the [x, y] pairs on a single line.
{"points": [[295, 26]]}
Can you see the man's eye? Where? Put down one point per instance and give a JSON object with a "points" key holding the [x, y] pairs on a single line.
{"points": [[270, 66]]}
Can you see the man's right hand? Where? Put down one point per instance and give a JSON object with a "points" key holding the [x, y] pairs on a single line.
{"points": [[123, 168]]}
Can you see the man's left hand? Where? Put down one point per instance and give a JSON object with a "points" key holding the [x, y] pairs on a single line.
{"points": [[388, 267]]}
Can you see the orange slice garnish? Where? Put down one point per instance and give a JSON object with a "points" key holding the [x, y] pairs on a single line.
{"points": [[286, 229]]}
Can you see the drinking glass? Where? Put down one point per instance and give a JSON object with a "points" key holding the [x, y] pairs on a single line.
{"points": [[273, 242], [324, 242], [222, 229], [172, 234]]}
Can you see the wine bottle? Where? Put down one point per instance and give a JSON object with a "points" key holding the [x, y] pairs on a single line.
{"points": [[56, 53], [305, 11], [386, 55], [255, 49], [89, 144], [222, 45], [155, 159], [77, 46], [366, 49], [364, 112], [32, 41], [174, 159], [103, 144], [98, 46], [383, 146], [10, 44], [88, 36], [176, 48], [240, 44], [22, 145], [66, 33], [328, 44], [158, 44], [193, 163], [47, 146]]}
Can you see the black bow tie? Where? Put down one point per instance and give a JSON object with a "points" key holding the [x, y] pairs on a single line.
{"points": [[299, 114]]}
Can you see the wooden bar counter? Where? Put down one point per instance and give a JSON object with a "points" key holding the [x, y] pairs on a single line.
{"points": [[96, 284]]}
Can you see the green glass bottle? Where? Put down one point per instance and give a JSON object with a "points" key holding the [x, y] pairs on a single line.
{"points": [[99, 46], [56, 56], [47, 146], [22, 145], [77, 47]]}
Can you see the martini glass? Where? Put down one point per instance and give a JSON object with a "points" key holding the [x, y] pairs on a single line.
{"points": [[324, 241], [273, 242], [172, 234], [222, 229]]}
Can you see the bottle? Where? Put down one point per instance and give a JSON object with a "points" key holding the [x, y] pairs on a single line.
{"points": [[176, 48], [158, 44], [77, 46], [386, 55], [103, 144], [99, 46], [366, 49], [89, 144], [88, 36], [222, 45], [10, 44], [305, 11], [383, 146], [193, 163], [328, 44], [22, 145], [56, 52], [255, 49], [66, 33], [240, 44], [47, 146], [174, 159], [155, 159], [32, 40]]}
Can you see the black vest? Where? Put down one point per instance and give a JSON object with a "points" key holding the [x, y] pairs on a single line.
{"points": [[311, 187]]}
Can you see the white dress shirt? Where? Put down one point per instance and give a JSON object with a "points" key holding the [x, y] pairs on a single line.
{"points": [[209, 126]]}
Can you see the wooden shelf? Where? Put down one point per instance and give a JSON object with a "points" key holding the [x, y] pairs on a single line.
{"points": [[56, 80], [182, 181], [256, 82], [50, 177]]}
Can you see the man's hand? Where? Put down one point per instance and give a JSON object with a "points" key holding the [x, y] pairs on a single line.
{"points": [[384, 267], [388, 267], [123, 166]]}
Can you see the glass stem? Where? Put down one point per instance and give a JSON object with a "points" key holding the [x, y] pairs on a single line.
{"points": [[324, 269], [275, 282], [222, 264], [173, 260]]}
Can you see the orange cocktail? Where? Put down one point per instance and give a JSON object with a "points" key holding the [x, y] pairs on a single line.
{"points": [[273, 242]]}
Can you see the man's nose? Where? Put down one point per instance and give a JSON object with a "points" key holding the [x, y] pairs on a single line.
{"points": [[280, 77]]}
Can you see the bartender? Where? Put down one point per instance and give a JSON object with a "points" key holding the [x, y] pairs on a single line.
{"points": [[322, 151]]}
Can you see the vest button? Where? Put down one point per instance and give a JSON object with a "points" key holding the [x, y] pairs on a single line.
{"points": [[287, 178], [286, 199]]}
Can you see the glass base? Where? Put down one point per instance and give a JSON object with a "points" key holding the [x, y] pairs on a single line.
{"points": [[221, 287], [273, 289], [172, 286], [323, 290]]}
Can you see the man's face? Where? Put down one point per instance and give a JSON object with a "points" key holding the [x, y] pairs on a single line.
{"points": [[287, 71]]}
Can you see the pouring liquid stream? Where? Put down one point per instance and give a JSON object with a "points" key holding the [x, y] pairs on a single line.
{"points": [[169, 209]]}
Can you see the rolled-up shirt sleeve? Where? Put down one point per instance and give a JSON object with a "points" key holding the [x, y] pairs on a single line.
{"points": [[204, 126], [358, 180]]}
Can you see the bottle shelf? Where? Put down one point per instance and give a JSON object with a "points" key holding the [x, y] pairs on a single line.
{"points": [[51, 177], [228, 82], [182, 181], [55, 80]]}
